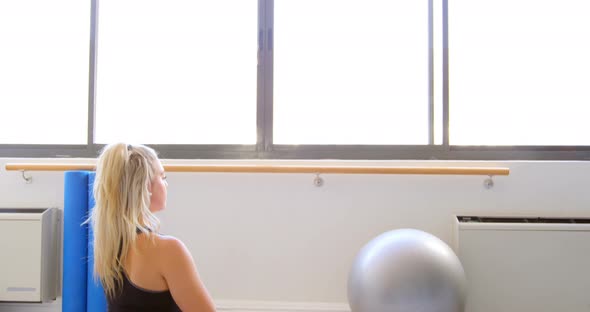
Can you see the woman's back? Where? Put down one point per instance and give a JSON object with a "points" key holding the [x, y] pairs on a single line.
{"points": [[144, 286], [134, 298]]}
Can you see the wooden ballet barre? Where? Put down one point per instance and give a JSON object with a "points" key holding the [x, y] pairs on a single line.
{"points": [[488, 171]]}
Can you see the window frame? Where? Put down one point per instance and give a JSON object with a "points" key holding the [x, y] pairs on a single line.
{"points": [[266, 149]]}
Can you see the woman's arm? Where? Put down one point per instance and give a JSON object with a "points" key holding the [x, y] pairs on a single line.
{"points": [[180, 272]]}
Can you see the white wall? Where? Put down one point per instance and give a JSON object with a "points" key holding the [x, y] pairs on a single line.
{"points": [[278, 238]]}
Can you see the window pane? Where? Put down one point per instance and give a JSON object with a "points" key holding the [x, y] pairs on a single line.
{"points": [[518, 72], [177, 72], [44, 71], [351, 72]]}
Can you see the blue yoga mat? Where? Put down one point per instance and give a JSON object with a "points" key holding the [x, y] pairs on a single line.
{"points": [[96, 297], [75, 248]]}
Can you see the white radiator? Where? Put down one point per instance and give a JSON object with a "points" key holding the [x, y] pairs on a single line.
{"points": [[525, 264], [29, 254]]}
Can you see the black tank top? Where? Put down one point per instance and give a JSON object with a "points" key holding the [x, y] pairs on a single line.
{"points": [[136, 299]]}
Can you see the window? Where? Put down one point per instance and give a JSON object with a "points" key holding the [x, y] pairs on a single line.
{"points": [[519, 72], [177, 72], [44, 71], [337, 79], [353, 73]]}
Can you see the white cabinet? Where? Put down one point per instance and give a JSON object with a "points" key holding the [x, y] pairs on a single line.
{"points": [[29, 254]]}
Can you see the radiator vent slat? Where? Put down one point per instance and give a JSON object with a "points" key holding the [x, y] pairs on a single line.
{"points": [[477, 219]]}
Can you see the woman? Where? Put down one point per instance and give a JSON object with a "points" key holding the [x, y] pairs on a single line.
{"points": [[140, 269]]}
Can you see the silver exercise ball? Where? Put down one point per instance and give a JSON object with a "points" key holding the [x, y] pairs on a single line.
{"points": [[406, 270]]}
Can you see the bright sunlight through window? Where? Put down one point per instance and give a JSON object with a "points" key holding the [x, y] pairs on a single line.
{"points": [[518, 72], [44, 71], [177, 71], [351, 72]]}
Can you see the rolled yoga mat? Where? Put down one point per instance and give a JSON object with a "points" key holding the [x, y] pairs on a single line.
{"points": [[79, 290], [96, 297]]}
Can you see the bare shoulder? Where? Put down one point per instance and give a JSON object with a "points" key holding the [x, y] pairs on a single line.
{"points": [[170, 243], [168, 239], [179, 271], [171, 249]]}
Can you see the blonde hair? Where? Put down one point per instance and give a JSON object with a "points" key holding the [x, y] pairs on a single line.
{"points": [[121, 192]]}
